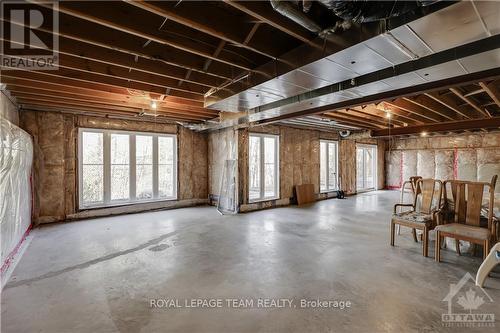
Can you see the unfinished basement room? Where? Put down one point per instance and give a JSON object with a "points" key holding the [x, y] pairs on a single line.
{"points": [[250, 166]]}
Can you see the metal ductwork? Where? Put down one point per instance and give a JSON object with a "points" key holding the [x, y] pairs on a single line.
{"points": [[288, 10], [362, 11], [345, 133]]}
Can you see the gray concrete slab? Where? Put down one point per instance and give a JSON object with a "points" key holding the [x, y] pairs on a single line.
{"points": [[100, 275]]}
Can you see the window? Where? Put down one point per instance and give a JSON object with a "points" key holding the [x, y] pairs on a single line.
{"points": [[328, 166], [366, 167], [263, 166], [118, 167]]}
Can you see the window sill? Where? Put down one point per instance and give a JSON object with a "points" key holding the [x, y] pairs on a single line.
{"points": [[122, 203], [327, 191], [262, 200]]}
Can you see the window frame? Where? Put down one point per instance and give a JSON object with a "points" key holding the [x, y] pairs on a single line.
{"points": [[327, 180], [374, 147], [107, 202], [261, 137]]}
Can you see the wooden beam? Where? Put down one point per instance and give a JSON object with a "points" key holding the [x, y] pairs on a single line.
{"points": [[119, 72], [254, 9], [431, 105], [126, 48], [470, 102], [492, 90], [55, 83], [171, 15], [355, 114], [131, 29], [373, 113], [350, 120], [448, 102], [251, 33], [143, 103], [90, 106], [453, 126], [108, 56], [89, 77]]}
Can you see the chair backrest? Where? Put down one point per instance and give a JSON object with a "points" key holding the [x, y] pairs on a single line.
{"points": [[467, 199], [413, 182], [428, 194]]}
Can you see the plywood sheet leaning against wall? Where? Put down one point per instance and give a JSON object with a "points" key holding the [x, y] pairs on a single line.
{"points": [[55, 163]]}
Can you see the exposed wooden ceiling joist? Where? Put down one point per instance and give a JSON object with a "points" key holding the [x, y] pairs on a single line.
{"points": [[492, 90], [172, 15], [469, 101], [62, 104], [351, 120], [91, 78], [137, 103], [413, 109], [254, 8], [432, 106], [383, 120], [113, 20], [448, 102]]}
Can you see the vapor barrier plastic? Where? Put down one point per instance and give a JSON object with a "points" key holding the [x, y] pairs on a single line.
{"points": [[16, 157], [425, 164], [409, 164], [393, 168], [444, 164]]}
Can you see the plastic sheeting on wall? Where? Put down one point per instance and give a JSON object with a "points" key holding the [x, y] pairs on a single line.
{"points": [[16, 156], [488, 165], [409, 164], [426, 166], [444, 161], [393, 169], [475, 164]]}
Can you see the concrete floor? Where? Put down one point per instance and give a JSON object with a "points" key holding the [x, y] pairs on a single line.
{"points": [[99, 275]]}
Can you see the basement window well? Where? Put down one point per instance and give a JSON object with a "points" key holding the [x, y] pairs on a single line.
{"points": [[121, 167], [263, 167], [328, 165]]}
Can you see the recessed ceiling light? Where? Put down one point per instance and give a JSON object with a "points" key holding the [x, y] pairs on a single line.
{"points": [[423, 133]]}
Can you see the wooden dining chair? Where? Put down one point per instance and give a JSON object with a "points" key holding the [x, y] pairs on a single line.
{"points": [[412, 185], [466, 219], [424, 213]]}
